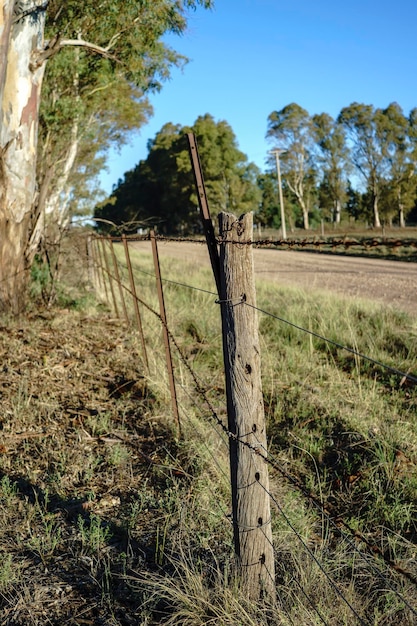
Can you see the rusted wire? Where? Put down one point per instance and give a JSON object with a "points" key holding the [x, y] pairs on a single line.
{"points": [[309, 242], [374, 551]]}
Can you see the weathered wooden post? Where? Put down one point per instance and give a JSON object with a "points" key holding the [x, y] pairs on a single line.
{"points": [[246, 419]]}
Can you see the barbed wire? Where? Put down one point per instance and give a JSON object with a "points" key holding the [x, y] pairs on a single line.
{"points": [[393, 370], [372, 547], [168, 280], [218, 421], [314, 242], [225, 514], [15, 274], [374, 550]]}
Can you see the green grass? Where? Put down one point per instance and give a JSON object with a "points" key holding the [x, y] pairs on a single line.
{"points": [[106, 508]]}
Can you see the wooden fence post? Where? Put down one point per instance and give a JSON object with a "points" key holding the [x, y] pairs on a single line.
{"points": [[246, 420]]}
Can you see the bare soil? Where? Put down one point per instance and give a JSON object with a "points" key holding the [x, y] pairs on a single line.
{"points": [[389, 282]]}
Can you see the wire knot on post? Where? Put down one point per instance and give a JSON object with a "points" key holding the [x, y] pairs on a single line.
{"points": [[232, 301]]}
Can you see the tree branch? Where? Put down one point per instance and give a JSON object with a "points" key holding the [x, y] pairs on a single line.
{"points": [[90, 46], [36, 7], [55, 44]]}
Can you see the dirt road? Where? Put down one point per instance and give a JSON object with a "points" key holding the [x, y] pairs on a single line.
{"points": [[389, 282]]}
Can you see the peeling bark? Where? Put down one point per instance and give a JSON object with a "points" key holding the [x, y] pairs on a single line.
{"points": [[18, 146]]}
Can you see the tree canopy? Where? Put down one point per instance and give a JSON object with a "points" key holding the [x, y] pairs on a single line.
{"points": [[160, 190], [84, 70], [321, 156]]}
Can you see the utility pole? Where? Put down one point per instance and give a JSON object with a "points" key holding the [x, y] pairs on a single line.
{"points": [[277, 152]]}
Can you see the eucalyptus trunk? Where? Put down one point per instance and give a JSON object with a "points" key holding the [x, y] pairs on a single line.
{"points": [[57, 214], [304, 210], [337, 211], [401, 217], [21, 75], [377, 220]]}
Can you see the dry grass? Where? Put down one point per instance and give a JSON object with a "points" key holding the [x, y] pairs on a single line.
{"points": [[108, 518]]}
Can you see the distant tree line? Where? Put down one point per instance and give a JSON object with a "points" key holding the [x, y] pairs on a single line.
{"points": [[360, 166], [160, 190]]}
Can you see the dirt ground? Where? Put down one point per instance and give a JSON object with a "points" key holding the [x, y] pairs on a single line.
{"points": [[390, 282]]}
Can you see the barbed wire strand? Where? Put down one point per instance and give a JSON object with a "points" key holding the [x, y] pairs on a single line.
{"points": [[224, 428], [168, 280], [393, 370], [286, 518], [13, 276], [374, 550], [228, 517], [314, 242], [254, 458]]}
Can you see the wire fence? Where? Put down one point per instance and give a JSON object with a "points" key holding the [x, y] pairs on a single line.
{"points": [[197, 392]]}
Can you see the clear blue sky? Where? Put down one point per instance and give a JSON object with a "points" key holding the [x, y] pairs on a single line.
{"points": [[251, 57]]}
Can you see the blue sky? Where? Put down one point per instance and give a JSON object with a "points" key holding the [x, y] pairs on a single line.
{"points": [[251, 57]]}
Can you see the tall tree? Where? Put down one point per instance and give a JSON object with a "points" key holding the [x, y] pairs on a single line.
{"points": [[290, 130], [161, 188], [83, 111], [230, 179], [365, 128], [401, 183], [333, 158], [125, 38]]}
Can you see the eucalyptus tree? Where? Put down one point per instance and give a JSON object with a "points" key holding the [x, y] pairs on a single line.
{"points": [[230, 179], [365, 127], [333, 160], [400, 178], [84, 110], [119, 39], [290, 131]]}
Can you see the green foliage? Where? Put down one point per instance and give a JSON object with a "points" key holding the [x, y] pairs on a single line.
{"points": [[290, 130], [161, 190], [382, 152], [320, 153], [268, 213], [96, 94], [332, 157]]}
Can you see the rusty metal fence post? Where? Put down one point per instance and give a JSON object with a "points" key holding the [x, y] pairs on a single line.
{"points": [[118, 281], [103, 271], [135, 300], [109, 276], [168, 355]]}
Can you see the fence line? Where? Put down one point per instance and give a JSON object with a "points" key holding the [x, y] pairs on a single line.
{"points": [[333, 242], [393, 370], [213, 415]]}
